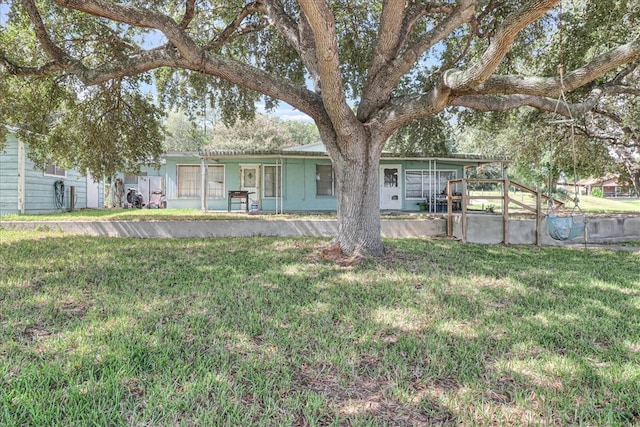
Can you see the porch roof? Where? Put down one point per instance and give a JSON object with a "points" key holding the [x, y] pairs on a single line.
{"points": [[317, 150]]}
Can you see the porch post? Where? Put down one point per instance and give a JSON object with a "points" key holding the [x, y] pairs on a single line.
{"points": [[505, 210], [538, 218], [21, 177], [432, 177], [280, 176], [203, 184], [505, 205], [464, 211]]}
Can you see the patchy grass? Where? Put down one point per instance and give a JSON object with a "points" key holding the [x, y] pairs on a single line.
{"points": [[631, 243], [149, 215], [598, 204], [588, 204], [261, 331], [184, 215]]}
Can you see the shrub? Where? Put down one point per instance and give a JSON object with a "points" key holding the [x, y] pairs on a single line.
{"points": [[597, 192]]}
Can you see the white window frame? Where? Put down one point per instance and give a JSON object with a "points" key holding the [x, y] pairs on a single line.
{"points": [[333, 181], [57, 172], [198, 182], [133, 178], [277, 181], [211, 191], [425, 191]]}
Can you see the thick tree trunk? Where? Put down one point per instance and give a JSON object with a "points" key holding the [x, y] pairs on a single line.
{"points": [[631, 165], [634, 172], [636, 183], [356, 178]]}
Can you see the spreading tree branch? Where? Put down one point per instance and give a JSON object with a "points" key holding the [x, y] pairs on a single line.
{"points": [[47, 69], [381, 84], [552, 86], [501, 43], [322, 23], [189, 56], [234, 26], [299, 35], [189, 13], [389, 35], [54, 51]]}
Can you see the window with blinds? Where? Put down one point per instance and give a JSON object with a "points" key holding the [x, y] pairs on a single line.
{"points": [[189, 179]]}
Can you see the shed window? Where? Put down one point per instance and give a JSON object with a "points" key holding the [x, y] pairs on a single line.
{"points": [[131, 179], [53, 170]]}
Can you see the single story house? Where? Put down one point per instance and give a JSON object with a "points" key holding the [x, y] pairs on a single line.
{"points": [[610, 185], [301, 179], [26, 189], [298, 179]]}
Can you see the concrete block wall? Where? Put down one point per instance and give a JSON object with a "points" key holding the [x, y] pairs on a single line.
{"points": [[482, 228], [485, 228]]}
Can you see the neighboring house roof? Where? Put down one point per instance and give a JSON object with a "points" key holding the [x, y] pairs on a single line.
{"points": [[316, 147], [589, 182], [605, 181]]}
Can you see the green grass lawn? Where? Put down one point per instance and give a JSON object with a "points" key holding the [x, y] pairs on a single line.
{"points": [[134, 215], [121, 332], [588, 204], [598, 204]]}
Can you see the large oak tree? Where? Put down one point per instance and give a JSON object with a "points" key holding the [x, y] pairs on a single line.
{"points": [[360, 69]]}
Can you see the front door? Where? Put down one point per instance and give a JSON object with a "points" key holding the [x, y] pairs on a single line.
{"points": [[93, 193], [249, 181], [390, 187]]}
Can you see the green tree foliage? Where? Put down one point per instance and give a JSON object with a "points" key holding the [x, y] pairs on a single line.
{"points": [[262, 133], [615, 124], [538, 149], [183, 133], [604, 112], [431, 136], [105, 128]]}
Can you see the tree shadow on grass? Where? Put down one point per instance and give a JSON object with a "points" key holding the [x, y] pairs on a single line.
{"points": [[264, 331]]}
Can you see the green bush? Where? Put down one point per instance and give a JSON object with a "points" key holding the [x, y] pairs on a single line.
{"points": [[597, 192]]}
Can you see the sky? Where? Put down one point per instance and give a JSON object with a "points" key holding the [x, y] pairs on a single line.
{"points": [[4, 8], [286, 112]]}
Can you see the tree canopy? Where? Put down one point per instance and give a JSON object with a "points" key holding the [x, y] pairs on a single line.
{"points": [[360, 69], [603, 113], [263, 133], [538, 149]]}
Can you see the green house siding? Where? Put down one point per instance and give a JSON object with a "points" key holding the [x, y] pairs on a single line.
{"points": [[300, 192], [298, 184], [9, 177], [38, 188], [301, 173], [306, 181]]}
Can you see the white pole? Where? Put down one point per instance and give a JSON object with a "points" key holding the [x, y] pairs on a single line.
{"points": [[280, 177], [203, 185], [21, 177]]}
